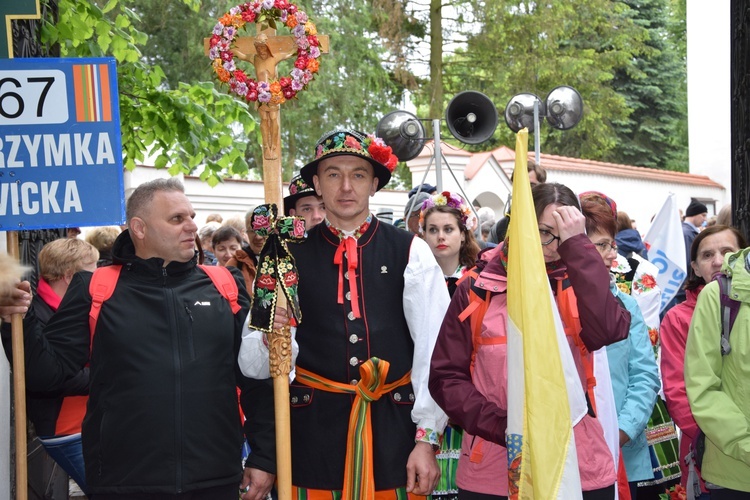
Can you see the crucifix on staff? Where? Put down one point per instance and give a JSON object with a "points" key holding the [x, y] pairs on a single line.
{"points": [[265, 51]]}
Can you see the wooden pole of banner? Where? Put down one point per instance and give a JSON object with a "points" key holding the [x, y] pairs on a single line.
{"points": [[19, 388], [265, 51], [267, 56], [21, 9]]}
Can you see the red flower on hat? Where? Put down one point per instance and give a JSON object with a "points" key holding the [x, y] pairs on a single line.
{"points": [[383, 154]]}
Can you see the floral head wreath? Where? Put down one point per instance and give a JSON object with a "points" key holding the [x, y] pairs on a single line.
{"points": [[351, 142], [451, 200]]}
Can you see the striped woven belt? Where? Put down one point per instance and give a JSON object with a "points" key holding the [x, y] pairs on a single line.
{"points": [[359, 481]]}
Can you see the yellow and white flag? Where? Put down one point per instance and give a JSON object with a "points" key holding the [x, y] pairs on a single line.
{"points": [[545, 396]]}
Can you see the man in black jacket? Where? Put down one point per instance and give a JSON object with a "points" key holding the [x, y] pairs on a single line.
{"points": [[162, 420]]}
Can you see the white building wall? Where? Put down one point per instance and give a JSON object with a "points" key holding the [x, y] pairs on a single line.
{"points": [[452, 168], [639, 198], [709, 90], [236, 197], [490, 187]]}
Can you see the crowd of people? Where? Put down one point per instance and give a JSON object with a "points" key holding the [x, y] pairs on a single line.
{"points": [[145, 377]]}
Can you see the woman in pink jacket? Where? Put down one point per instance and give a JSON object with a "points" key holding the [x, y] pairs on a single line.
{"points": [[468, 373], [706, 256]]}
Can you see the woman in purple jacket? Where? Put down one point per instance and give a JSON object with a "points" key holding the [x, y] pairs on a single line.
{"points": [[468, 370]]}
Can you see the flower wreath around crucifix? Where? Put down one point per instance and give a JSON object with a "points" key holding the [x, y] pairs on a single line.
{"points": [[275, 91]]}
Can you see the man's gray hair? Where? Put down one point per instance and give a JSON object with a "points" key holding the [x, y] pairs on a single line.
{"points": [[144, 194]]}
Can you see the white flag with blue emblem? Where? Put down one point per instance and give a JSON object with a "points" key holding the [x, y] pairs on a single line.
{"points": [[666, 250]]}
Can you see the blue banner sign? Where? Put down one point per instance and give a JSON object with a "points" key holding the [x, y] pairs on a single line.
{"points": [[60, 144]]}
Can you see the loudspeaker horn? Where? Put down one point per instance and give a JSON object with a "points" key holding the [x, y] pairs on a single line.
{"points": [[471, 117], [564, 107], [519, 113], [403, 132]]}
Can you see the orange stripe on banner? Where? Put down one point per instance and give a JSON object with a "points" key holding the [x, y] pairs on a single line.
{"points": [[106, 97], [78, 84]]}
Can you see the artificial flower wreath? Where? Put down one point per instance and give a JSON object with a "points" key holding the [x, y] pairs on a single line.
{"points": [[452, 200], [265, 11]]}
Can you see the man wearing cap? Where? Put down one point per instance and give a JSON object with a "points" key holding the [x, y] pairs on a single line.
{"points": [[304, 202], [696, 216], [412, 211], [372, 298]]}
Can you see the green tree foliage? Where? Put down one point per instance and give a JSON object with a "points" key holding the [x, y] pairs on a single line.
{"points": [[619, 55], [531, 47], [419, 35], [175, 36], [188, 127], [353, 88], [654, 87]]}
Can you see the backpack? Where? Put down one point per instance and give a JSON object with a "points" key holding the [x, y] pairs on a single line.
{"points": [[479, 302], [729, 310], [104, 280]]}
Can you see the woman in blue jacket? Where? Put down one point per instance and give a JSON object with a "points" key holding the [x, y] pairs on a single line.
{"points": [[635, 378]]}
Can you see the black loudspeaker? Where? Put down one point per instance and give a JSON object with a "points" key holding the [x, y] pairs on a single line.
{"points": [[403, 132], [471, 117], [519, 113]]}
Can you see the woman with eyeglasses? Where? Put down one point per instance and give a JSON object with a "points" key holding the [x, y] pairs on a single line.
{"points": [[706, 257], [632, 367], [468, 369], [634, 275]]}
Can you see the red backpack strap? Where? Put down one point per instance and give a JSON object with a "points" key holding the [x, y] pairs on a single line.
{"points": [[224, 283], [102, 285]]}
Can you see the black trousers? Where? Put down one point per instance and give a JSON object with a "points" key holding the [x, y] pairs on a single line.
{"points": [[230, 492], [727, 494], [607, 493], [470, 495]]}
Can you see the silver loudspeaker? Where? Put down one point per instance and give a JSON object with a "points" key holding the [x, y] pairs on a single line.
{"points": [[519, 113], [564, 107], [471, 117], [403, 132]]}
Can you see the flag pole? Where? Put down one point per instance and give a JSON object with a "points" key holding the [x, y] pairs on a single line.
{"points": [[19, 387]]}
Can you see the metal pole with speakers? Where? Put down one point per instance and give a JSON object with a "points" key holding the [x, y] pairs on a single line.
{"points": [[471, 118], [563, 109]]}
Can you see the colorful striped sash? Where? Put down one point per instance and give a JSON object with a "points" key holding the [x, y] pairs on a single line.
{"points": [[308, 494], [359, 479]]}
